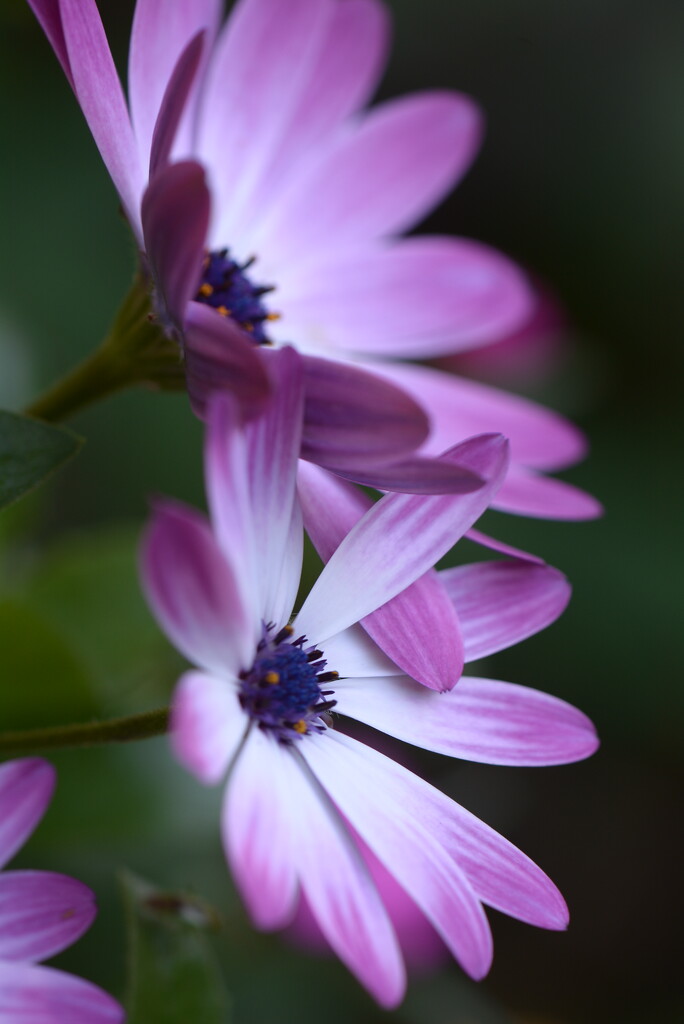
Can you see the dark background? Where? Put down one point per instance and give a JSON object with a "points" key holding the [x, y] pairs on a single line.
{"points": [[581, 179]]}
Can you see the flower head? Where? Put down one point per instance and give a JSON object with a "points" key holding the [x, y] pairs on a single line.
{"points": [[252, 140], [262, 704], [41, 913]]}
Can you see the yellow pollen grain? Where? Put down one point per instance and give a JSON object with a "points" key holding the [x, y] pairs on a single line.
{"points": [[223, 310], [300, 726], [272, 678], [206, 290], [273, 316]]}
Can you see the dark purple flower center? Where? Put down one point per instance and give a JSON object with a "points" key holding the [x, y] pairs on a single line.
{"points": [[226, 287], [282, 691]]}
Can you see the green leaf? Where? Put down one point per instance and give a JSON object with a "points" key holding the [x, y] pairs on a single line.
{"points": [[30, 451], [173, 974]]}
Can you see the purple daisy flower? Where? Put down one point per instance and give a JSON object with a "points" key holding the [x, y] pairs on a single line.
{"points": [[258, 708], [270, 108], [41, 913]]}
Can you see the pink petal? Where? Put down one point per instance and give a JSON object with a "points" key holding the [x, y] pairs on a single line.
{"points": [[41, 913], [174, 103], [99, 93], [193, 594], [30, 994], [219, 356], [340, 891], [257, 828], [342, 73], [376, 799], [50, 17], [499, 873], [375, 179], [260, 64], [26, 788], [458, 408], [207, 724], [492, 544], [161, 32], [251, 485], [415, 298], [415, 475], [528, 494], [501, 603], [175, 219], [353, 418], [397, 541], [480, 720]]}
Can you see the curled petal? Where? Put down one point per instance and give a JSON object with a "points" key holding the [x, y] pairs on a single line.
{"points": [[174, 103], [26, 788]]}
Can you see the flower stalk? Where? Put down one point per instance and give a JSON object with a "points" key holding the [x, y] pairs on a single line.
{"points": [[86, 734], [136, 351]]}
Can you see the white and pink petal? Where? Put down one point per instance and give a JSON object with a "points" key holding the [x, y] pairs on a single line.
{"points": [[207, 724]]}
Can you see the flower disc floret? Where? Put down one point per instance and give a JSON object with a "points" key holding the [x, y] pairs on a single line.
{"points": [[226, 288], [282, 691]]}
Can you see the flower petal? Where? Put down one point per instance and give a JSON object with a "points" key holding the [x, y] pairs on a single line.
{"points": [[41, 913], [353, 417], [98, 91], [340, 891], [42, 995], [501, 603], [256, 825], [500, 874], [342, 73], [26, 788], [175, 219], [219, 356], [207, 724], [260, 63], [527, 493], [375, 179], [174, 103], [376, 798], [415, 298], [161, 32], [492, 544], [458, 408], [480, 720], [50, 17], [192, 591], [398, 540]]}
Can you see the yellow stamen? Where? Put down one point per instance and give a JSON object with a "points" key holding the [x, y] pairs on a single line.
{"points": [[273, 316], [272, 678], [206, 290], [300, 726], [223, 310]]}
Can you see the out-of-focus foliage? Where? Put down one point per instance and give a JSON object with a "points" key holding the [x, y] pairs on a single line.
{"points": [[30, 451]]}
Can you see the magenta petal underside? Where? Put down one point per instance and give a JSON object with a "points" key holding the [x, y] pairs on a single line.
{"points": [[207, 724], [174, 103], [415, 475], [415, 298], [501, 603], [353, 417], [192, 591], [41, 913], [99, 93], [258, 833], [397, 541], [26, 788], [369, 792], [175, 219], [219, 356], [481, 720], [492, 544], [32, 994]]}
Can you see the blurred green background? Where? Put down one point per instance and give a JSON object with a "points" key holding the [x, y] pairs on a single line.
{"points": [[581, 179]]}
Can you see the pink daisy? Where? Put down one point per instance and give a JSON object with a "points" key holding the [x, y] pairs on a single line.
{"points": [[41, 913], [271, 108], [257, 708]]}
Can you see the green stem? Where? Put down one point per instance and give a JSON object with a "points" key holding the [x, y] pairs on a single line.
{"points": [[136, 351], [87, 734]]}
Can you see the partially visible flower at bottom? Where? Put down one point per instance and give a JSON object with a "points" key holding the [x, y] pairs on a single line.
{"points": [[41, 913], [258, 709]]}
